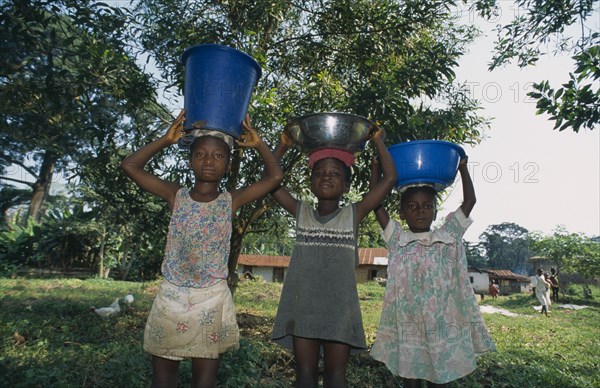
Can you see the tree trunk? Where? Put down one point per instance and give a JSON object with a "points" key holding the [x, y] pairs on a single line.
{"points": [[125, 262], [236, 247], [241, 225], [237, 235], [41, 187], [101, 253], [128, 269]]}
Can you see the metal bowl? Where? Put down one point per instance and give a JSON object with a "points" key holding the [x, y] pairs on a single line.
{"points": [[331, 130]]}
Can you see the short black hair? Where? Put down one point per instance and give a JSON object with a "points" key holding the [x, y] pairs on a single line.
{"points": [[414, 189]]}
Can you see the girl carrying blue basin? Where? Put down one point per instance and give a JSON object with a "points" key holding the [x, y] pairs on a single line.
{"points": [[431, 327]]}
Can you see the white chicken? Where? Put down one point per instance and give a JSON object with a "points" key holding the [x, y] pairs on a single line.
{"points": [[107, 311], [128, 299]]}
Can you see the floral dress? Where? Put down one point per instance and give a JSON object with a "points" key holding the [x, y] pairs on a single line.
{"points": [[431, 327], [193, 315]]}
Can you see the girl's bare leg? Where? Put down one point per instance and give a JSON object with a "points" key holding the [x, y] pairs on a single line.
{"points": [[306, 353], [204, 372], [336, 361], [411, 383], [164, 372]]}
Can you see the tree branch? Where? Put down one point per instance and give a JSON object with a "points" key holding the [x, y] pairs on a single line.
{"points": [[30, 184], [20, 164]]}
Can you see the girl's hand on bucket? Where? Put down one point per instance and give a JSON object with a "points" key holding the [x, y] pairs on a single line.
{"points": [[250, 138], [175, 131], [285, 138], [378, 133], [463, 165]]}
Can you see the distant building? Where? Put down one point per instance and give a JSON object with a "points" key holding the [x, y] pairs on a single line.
{"points": [[480, 280], [270, 268], [509, 282], [542, 262], [372, 263]]}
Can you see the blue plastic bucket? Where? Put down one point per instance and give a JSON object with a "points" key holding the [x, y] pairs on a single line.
{"points": [[219, 82], [433, 162]]}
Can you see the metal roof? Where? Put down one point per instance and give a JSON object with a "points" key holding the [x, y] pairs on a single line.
{"points": [[507, 274]]}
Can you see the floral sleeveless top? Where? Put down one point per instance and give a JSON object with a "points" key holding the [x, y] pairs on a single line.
{"points": [[198, 241]]}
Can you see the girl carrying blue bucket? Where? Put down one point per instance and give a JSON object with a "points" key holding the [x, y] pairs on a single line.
{"points": [[193, 314]]}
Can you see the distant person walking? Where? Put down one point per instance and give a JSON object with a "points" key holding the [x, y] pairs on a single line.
{"points": [[547, 278], [554, 284], [494, 290], [541, 287]]}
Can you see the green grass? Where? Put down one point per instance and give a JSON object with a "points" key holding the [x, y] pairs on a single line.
{"points": [[50, 338]]}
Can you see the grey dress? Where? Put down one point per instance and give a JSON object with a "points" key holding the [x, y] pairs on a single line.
{"points": [[319, 299]]}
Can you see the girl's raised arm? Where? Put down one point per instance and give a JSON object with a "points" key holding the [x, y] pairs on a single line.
{"points": [[377, 193], [469, 198], [134, 164], [281, 194], [272, 176], [383, 217]]}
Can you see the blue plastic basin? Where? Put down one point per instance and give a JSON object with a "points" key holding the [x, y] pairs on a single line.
{"points": [[219, 82], [432, 162]]}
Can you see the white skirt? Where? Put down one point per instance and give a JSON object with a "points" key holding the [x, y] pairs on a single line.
{"points": [[191, 322]]}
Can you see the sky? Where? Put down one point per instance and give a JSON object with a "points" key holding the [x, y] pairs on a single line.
{"points": [[525, 172]]}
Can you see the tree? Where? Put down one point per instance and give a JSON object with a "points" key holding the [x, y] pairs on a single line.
{"points": [[536, 24], [389, 60], [134, 223], [506, 246], [574, 252], [67, 84], [475, 256]]}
